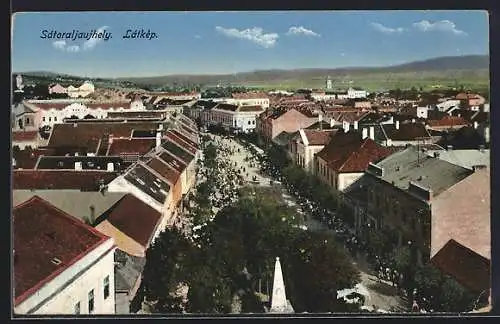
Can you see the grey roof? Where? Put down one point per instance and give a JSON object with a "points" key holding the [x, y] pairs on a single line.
{"points": [[412, 165], [148, 182], [128, 269], [74, 202], [464, 158]]}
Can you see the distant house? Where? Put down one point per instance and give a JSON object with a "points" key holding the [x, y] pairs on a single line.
{"points": [[50, 250], [307, 144], [234, 117], [57, 89], [86, 89], [271, 125], [448, 123]]}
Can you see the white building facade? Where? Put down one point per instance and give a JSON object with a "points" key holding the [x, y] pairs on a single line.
{"points": [[356, 94], [86, 287]]}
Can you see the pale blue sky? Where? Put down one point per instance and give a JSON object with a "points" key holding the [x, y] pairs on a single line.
{"points": [[229, 42]]}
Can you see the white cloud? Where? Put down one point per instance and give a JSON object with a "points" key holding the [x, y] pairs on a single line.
{"points": [[442, 25], [387, 30], [63, 46], [197, 36], [255, 34], [60, 45], [301, 30], [91, 43]]}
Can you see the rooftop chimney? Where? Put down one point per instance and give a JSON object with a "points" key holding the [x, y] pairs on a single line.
{"points": [[397, 124], [78, 166], [413, 120], [481, 148], [476, 125], [436, 154], [332, 122], [356, 125], [158, 139], [111, 167], [372, 133], [346, 126], [364, 133], [449, 147]]}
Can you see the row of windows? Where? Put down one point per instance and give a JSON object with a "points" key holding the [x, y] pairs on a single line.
{"points": [[90, 296]]}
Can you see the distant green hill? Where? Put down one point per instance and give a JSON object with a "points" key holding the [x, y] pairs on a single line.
{"points": [[469, 71]]}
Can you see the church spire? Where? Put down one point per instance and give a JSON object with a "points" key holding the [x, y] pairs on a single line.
{"points": [[279, 303]]}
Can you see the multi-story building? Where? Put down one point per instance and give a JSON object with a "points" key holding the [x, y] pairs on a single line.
{"points": [[309, 142], [86, 89], [345, 159], [404, 192], [237, 118], [39, 113], [61, 265]]}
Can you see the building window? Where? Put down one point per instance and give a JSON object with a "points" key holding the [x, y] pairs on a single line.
{"points": [[55, 118], [50, 119], [27, 121], [249, 122], [91, 301], [106, 287], [77, 308], [43, 118]]}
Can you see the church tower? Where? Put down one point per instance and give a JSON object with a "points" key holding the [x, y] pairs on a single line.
{"points": [[279, 303], [329, 84]]}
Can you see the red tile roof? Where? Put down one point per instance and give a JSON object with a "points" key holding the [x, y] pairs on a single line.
{"points": [[173, 161], [250, 108], [448, 121], [60, 179], [166, 171], [135, 218], [89, 134], [27, 159], [348, 152], [176, 139], [249, 95], [131, 146], [184, 138], [62, 105], [318, 137], [24, 136], [406, 131], [136, 114], [43, 232], [466, 266]]}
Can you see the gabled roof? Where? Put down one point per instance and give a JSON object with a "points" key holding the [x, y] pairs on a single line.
{"points": [[165, 170], [148, 182], [178, 151], [43, 233], [406, 131], [318, 137], [348, 152], [72, 201], [464, 158], [134, 218], [283, 138], [184, 138], [464, 265], [90, 134], [182, 143], [61, 179], [448, 121], [173, 161]]}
